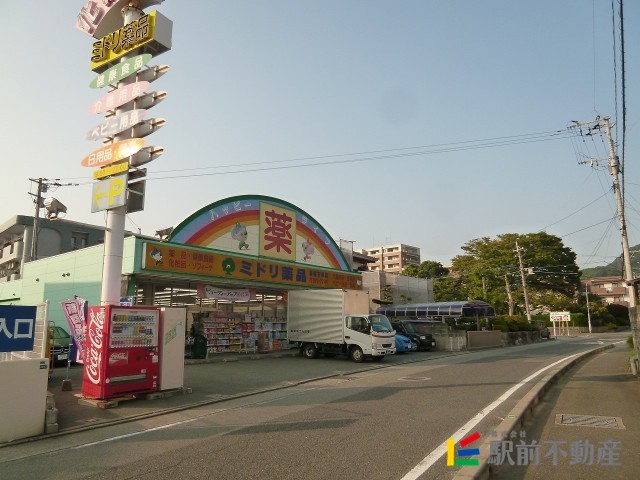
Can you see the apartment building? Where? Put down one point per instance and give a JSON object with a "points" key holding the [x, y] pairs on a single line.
{"points": [[52, 237], [612, 290], [392, 258]]}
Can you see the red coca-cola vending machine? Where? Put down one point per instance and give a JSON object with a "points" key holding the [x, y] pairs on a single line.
{"points": [[121, 356]]}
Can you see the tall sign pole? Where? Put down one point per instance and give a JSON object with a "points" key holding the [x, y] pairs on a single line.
{"points": [[119, 55], [116, 217]]}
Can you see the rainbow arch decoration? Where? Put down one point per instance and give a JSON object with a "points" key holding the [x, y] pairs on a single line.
{"points": [[261, 226]]}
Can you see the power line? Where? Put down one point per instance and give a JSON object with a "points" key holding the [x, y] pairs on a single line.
{"points": [[432, 149], [577, 211], [587, 228]]}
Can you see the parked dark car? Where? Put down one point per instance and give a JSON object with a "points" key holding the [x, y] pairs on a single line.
{"points": [[545, 333], [414, 329], [59, 342]]}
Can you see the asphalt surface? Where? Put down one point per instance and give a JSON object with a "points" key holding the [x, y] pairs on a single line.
{"points": [[586, 426], [600, 385]]}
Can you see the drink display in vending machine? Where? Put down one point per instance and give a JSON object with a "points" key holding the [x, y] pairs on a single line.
{"points": [[121, 351]]}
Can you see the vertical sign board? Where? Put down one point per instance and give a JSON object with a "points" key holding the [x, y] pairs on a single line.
{"points": [[109, 193], [17, 328]]}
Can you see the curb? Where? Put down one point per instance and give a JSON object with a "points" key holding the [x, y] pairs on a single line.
{"points": [[520, 413]]}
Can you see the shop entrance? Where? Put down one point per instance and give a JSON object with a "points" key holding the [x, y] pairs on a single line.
{"points": [[255, 324]]}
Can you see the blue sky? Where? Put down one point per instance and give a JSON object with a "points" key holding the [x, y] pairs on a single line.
{"points": [[424, 84]]}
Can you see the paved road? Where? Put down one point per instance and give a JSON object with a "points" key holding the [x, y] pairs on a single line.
{"points": [[382, 422], [586, 427]]}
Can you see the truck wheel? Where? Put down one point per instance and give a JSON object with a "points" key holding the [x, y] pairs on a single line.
{"points": [[356, 354], [309, 350]]}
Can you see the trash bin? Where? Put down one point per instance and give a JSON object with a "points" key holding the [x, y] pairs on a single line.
{"points": [[200, 347]]}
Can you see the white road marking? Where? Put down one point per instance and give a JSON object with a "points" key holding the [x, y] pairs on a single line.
{"points": [[119, 437], [435, 455]]}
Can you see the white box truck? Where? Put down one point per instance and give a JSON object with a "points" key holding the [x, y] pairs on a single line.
{"points": [[338, 322]]}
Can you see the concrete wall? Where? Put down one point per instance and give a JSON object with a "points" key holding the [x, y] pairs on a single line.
{"points": [[403, 289], [23, 398], [484, 339]]}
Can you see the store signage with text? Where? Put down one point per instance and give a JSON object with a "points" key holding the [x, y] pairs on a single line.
{"points": [[236, 295], [99, 17], [151, 30], [226, 266], [74, 312], [121, 70], [17, 328], [111, 170], [278, 230], [118, 97], [114, 125], [109, 193], [112, 153]]}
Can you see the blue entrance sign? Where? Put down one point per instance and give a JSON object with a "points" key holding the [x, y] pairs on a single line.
{"points": [[17, 328]]}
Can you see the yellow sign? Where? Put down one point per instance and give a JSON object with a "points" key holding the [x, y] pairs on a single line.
{"points": [[151, 33], [224, 266], [109, 193], [111, 170], [277, 232]]}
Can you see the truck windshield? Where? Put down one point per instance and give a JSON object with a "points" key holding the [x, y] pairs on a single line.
{"points": [[380, 323]]}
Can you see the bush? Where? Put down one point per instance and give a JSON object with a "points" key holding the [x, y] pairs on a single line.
{"points": [[620, 313], [515, 323], [611, 326]]}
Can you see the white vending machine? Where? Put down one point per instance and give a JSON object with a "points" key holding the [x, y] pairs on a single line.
{"points": [[171, 344]]}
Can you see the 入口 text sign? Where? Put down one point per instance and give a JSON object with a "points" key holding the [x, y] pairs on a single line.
{"points": [[17, 328]]}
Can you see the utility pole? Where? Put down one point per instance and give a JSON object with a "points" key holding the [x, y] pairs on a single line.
{"points": [[524, 283], [509, 296], [40, 202], [614, 168], [595, 128], [586, 292], [42, 187]]}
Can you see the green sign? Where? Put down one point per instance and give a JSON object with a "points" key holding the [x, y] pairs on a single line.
{"points": [[120, 71]]}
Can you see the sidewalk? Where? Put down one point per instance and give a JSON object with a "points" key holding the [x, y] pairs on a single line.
{"points": [[202, 385], [586, 426]]}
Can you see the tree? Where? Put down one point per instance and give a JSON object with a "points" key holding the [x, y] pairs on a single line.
{"points": [[385, 294], [552, 274], [427, 269], [449, 289]]}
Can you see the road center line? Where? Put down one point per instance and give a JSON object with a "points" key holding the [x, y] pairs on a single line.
{"points": [[433, 457]]}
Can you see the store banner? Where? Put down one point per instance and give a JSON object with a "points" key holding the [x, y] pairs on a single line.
{"points": [[236, 295], [158, 257], [75, 313]]}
